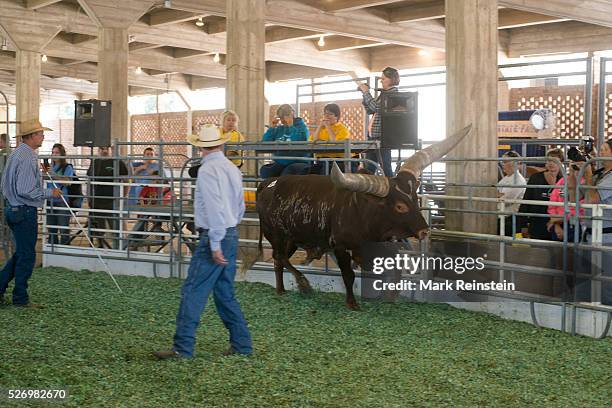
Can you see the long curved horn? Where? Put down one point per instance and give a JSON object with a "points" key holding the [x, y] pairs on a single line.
{"points": [[425, 157], [360, 183]]}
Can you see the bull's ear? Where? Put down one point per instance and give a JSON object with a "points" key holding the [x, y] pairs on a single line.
{"points": [[406, 184], [405, 188]]}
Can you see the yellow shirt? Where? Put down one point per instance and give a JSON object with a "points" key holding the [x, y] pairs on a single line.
{"points": [[341, 132], [234, 137]]}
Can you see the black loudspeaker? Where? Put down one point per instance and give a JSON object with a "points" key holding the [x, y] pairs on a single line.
{"points": [[399, 120], [92, 123]]}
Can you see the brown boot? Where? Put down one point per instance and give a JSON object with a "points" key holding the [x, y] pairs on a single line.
{"points": [[166, 355], [29, 305]]}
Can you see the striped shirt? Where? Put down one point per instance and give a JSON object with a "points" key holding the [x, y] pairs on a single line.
{"points": [[219, 198], [21, 180], [372, 107]]}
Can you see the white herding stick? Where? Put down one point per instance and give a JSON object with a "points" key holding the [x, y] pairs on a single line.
{"points": [[96, 250]]}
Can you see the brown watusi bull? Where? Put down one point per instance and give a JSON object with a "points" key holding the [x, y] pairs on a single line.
{"points": [[337, 213]]}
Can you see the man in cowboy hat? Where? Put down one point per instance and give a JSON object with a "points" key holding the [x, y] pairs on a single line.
{"points": [[218, 208], [23, 194]]}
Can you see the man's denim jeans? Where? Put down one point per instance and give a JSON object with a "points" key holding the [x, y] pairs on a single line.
{"points": [[205, 276], [22, 221]]}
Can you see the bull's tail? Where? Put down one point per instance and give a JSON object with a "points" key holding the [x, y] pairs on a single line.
{"points": [[251, 257]]}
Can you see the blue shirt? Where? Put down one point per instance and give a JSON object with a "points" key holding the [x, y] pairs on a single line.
{"points": [[142, 176], [67, 171], [604, 188], [296, 133], [21, 180], [219, 198]]}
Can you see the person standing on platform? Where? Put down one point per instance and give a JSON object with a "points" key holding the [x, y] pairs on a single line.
{"points": [[389, 81]]}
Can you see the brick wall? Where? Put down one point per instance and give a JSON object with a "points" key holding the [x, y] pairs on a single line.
{"points": [[567, 102]]}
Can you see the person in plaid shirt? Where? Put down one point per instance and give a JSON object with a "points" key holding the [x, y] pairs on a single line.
{"points": [[389, 81]]}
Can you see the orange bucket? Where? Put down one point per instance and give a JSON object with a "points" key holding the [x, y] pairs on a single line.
{"points": [[250, 199]]}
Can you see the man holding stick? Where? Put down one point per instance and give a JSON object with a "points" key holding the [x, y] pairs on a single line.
{"points": [[23, 195]]}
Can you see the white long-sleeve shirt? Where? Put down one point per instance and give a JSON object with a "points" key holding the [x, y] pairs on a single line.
{"points": [[219, 197], [512, 193]]}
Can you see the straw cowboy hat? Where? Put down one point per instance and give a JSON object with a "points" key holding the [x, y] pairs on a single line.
{"points": [[30, 126], [210, 136]]}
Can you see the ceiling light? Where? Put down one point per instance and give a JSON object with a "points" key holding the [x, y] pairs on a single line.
{"points": [[4, 44], [44, 58], [200, 22], [216, 58], [321, 42], [424, 53], [168, 3], [131, 38], [138, 70]]}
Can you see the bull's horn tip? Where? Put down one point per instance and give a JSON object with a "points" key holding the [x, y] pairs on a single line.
{"points": [[335, 169]]}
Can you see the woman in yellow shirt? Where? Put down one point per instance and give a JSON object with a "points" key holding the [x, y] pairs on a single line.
{"points": [[332, 130]]}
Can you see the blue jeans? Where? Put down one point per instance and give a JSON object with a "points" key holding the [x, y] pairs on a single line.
{"points": [[58, 216], [205, 276], [275, 169], [22, 221], [386, 161]]}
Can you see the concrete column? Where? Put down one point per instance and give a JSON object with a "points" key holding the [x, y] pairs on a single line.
{"points": [[503, 95], [245, 61], [113, 77], [471, 97], [28, 85], [244, 85], [30, 37]]}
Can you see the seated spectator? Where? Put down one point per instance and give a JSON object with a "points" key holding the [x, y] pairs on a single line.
{"points": [[330, 129], [142, 172], [533, 226], [286, 128], [229, 129], [512, 177], [149, 195]]}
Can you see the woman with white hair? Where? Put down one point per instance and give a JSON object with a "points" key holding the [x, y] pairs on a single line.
{"points": [[286, 128]]}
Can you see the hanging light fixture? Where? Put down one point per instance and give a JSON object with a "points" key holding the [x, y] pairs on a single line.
{"points": [[424, 53], [44, 58], [321, 42], [4, 44], [217, 58], [200, 22], [138, 70]]}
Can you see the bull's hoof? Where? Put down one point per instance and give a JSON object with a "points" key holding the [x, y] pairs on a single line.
{"points": [[280, 292], [305, 289], [352, 305], [304, 286]]}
